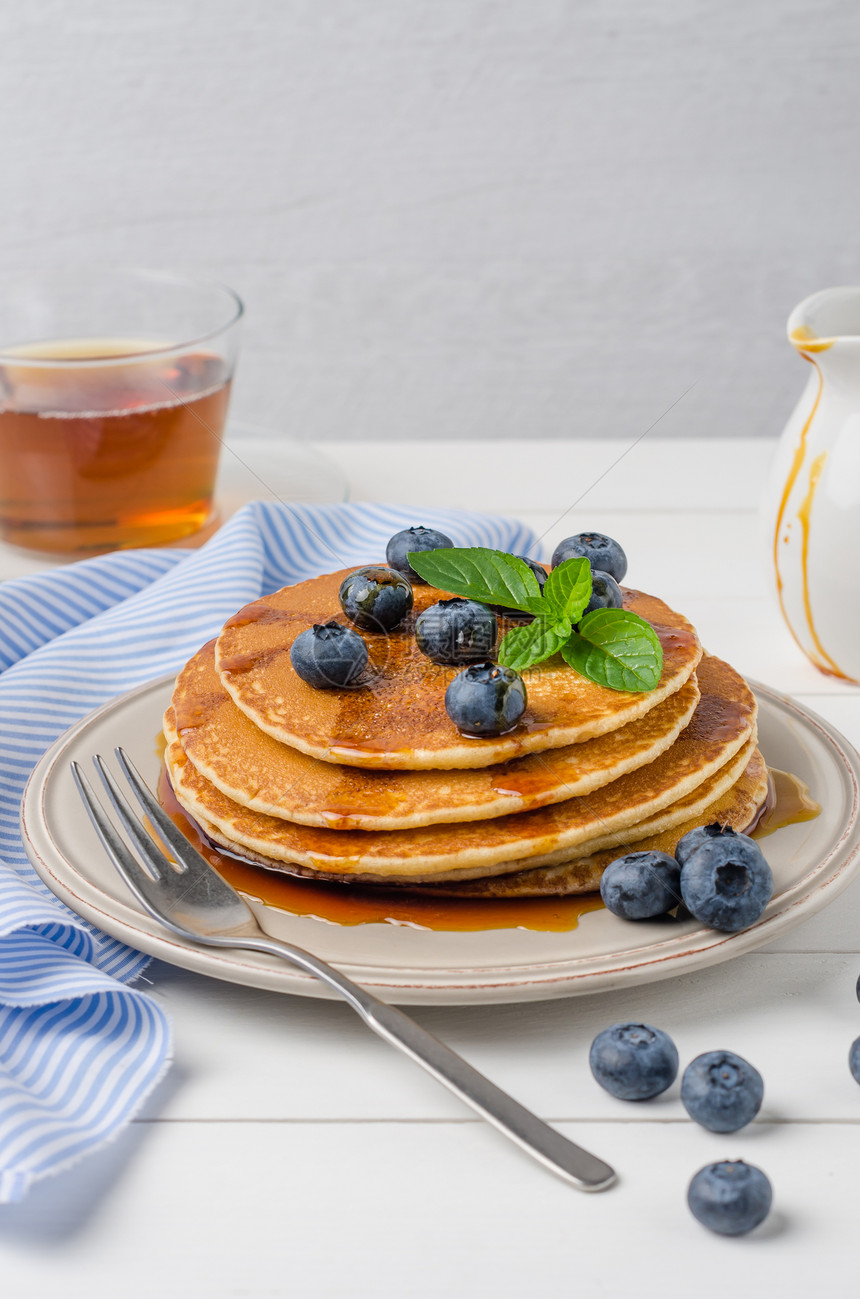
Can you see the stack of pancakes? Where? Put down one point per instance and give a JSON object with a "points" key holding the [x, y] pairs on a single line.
{"points": [[375, 785]]}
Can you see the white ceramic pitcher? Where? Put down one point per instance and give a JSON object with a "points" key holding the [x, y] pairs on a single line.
{"points": [[812, 501]]}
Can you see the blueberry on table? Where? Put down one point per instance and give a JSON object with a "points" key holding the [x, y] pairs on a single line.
{"points": [[329, 654], [721, 1091], [730, 1197], [605, 592], [375, 598], [604, 554], [640, 885], [726, 882], [634, 1061], [486, 699], [854, 1060], [457, 631], [412, 539], [541, 575]]}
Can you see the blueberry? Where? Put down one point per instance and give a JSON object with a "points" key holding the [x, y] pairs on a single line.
{"points": [[541, 575], [641, 884], [730, 1197], [486, 699], [634, 1061], [693, 838], [726, 882], [456, 631], [376, 598], [854, 1060], [329, 654], [722, 1091], [605, 592], [410, 540], [602, 553]]}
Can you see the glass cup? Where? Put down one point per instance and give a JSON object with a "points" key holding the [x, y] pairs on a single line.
{"points": [[114, 388]]}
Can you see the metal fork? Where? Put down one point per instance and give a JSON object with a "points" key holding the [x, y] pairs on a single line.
{"points": [[190, 898]]}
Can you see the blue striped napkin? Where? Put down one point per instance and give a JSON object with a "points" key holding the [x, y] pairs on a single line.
{"points": [[80, 1049]]}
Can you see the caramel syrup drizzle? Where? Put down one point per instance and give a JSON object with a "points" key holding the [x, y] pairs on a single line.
{"points": [[805, 342]]}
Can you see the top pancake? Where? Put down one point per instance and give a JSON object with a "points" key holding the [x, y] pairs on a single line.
{"points": [[260, 773], [722, 725], [397, 720]]}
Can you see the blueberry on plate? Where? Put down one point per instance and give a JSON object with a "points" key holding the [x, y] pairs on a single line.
{"points": [[457, 631], [726, 882], [410, 540], [854, 1060], [640, 885], [605, 592], [541, 575], [486, 699], [329, 654], [721, 1091], [730, 1197], [602, 553], [375, 598], [693, 838], [634, 1061]]}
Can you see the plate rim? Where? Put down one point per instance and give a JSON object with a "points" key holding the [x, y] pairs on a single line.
{"points": [[468, 985]]}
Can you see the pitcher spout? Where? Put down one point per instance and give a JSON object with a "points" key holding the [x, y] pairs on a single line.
{"points": [[824, 320]]}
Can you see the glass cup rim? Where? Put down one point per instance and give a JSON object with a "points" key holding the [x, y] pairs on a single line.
{"points": [[141, 273]]}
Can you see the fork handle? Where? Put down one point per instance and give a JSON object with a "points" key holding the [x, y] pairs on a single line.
{"points": [[537, 1138]]}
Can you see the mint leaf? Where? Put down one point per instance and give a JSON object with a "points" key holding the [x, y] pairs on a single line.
{"points": [[522, 647], [478, 573], [568, 589], [616, 648]]}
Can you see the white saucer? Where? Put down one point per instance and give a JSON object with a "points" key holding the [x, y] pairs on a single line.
{"points": [[262, 465], [812, 863]]}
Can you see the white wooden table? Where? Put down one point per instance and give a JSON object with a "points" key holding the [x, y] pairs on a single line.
{"points": [[290, 1153]]}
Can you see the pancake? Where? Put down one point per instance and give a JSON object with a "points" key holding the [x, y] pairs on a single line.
{"points": [[397, 720], [737, 808], [258, 772], [724, 721], [695, 807]]}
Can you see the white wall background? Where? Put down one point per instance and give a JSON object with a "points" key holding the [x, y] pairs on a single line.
{"points": [[478, 218]]}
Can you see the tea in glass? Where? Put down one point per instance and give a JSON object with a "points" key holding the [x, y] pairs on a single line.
{"points": [[113, 440]]}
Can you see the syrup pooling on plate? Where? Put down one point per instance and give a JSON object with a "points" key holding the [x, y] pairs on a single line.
{"points": [[788, 803], [339, 905]]}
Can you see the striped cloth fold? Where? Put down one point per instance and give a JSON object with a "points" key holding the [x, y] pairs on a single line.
{"points": [[80, 1049]]}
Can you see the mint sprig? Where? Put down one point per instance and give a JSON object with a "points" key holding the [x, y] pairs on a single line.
{"points": [[612, 647]]}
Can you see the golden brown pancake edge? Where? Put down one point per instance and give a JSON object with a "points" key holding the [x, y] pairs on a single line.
{"points": [[399, 721], [264, 775], [722, 724]]}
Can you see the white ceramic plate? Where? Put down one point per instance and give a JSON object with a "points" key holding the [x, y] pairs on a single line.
{"points": [[812, 863]]}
